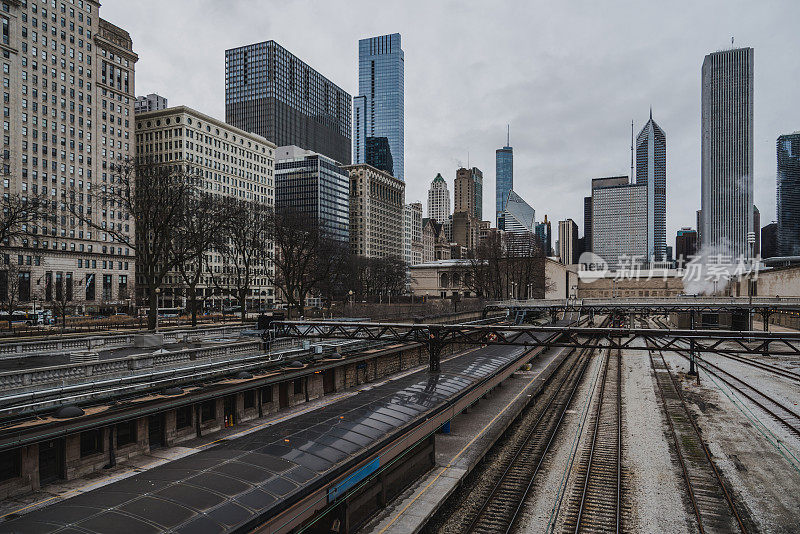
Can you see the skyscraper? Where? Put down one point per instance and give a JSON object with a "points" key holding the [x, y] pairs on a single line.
{"points": [[587, 224], [727, 153], [315, 186], [63, 95], [619, 221], [518, 214], [567, 241], [378, 109], [504, 167], [468, 192], [439, 200], [685, 244], [651, 171], [788, 195], [271, 92]]}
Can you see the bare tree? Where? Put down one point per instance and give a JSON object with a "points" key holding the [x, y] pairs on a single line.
{"points": [[307, 258], [204, 229], [155, 196], [512, 266], [246, 249], [18, 213]]}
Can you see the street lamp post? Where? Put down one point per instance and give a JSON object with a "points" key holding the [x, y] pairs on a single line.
{"points": [[158, 294]]}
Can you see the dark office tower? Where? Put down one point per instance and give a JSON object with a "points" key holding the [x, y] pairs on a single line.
{"points": [[587, 224], [769, 240], [789, 195], [270, 92], [378, 108], [379, 154], [468, 192], [756, 230], [727, 153], [504, 169], [651, 170], [685, 244]]}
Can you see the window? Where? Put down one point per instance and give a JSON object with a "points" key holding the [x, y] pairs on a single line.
{"points": [[91, 442], [183, 417], [208, 411], [249, 399], [298, 386], [266, 394], [126, 433]]}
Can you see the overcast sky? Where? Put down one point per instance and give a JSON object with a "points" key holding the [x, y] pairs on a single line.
{"points": [[567, 76]]}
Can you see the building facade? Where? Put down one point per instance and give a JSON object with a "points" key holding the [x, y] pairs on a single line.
{"points": [[518, 215], [788, 195], [376, 212], [651, 171], [68, 86], [504, 173], [151, 102], [685, 244], [727, 150], [568, 241], [769, 240], [271, 92], [466, 230], [231, 163], [619, 220], [412, 233], [468, 192], [438, 200], [587, 224], [378, 110], [316, 186]]}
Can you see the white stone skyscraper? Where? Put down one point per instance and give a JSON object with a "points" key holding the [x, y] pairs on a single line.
{"points": [[727, 153], [439, 200]]}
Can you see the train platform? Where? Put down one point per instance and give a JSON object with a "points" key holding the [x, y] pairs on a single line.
{"points": [[471, 435], [283, 469]]}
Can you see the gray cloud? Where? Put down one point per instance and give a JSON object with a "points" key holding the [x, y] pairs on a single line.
{"points": [[567, 76]]}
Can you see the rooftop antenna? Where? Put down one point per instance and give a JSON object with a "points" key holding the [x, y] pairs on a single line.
{"points": [[468, 159], [508, 135], [631, 178], [731, 41]]}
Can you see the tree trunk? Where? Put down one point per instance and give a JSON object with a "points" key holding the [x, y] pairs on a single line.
{"points": [[152, 312], [192, 291], [242, 304]]}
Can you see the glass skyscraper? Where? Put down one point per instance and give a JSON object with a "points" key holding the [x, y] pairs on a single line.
{"points": [[651, 171], [272, 93], [504, 166], [378, 109], [789, 195], [314, 185]]}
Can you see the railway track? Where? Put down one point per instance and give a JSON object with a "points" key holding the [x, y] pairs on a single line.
{"points": [[781, 413], [711, 500], [774, 369], [596, 501], [494, 507]]}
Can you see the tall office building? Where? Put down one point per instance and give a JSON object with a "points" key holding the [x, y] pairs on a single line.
{"points": [[233, 163], [468, 192], [68, 85], [788, 240], [587, 224], [769, 240], [439, 200], [685, 244], [378, 112], [756, 231], [619, 221], [567, 241], [151, 102], [651, 171], [412, 233], [504, 174], [272, 93], [315, 186], [377, 200], [518, 214], [727, 153]]}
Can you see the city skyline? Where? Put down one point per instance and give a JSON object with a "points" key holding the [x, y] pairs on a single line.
{"points": [[545, 102]]}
